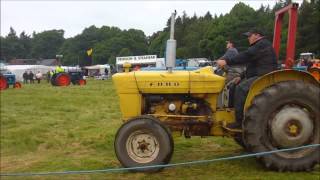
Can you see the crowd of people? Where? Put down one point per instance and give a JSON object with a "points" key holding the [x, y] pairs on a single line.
{"points": [[30, 77]]}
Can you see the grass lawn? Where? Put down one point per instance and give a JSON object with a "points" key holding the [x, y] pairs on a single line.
{"points": [[45, 128]]}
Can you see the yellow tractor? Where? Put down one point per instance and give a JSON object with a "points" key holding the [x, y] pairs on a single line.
{"points": [[281, 111]]}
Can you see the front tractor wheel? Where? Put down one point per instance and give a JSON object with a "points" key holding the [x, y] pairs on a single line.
{"points": [[143, 141], [3, 83], [17, 85], [285, 115], [82, 82]]}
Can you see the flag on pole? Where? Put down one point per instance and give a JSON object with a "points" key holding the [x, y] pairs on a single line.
{"points": [[89, 52]]}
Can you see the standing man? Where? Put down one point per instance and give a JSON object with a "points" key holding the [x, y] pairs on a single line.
{"points": [[31, 76], [25, 77], [39, 77], [48, 76], [106, 72], [260, 59]]}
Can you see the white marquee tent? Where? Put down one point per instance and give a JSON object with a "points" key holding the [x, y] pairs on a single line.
{"points": [[98, 69], [18, 70]]}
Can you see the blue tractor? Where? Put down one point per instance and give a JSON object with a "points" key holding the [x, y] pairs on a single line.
{"points": [[7, 79]]}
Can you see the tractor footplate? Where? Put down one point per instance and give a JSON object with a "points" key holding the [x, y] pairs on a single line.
{"points": [[191, 127], [224, 126]]}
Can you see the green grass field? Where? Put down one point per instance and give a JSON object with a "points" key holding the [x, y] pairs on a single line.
{"points": [[45, 128]]}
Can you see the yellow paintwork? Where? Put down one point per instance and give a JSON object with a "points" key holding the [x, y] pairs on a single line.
{"points": [[293, 129], [130, 98], [126, 67], [220, 118], [163, 82], [274, 77], [212, 100], [202, 83], [131, 85]]}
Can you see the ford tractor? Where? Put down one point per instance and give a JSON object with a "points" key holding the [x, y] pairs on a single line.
{"points": [[281, 111]]}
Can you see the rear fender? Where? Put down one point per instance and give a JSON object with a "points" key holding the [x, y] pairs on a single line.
{"points": [[275, 77]]}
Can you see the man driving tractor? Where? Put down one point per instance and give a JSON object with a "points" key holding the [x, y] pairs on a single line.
{"points": [[260, 59]]}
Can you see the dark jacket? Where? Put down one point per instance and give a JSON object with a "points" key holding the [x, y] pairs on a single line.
{"points": [[30, 76], [25, 75], [260, 59]]}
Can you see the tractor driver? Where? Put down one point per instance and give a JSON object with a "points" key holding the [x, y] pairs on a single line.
{"points": [[260, 59], [59, 69]]}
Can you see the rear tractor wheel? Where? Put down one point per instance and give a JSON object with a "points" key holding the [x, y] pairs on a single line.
{"points": [[143, 141], [238, 138], [62, 79], [285, 115]]}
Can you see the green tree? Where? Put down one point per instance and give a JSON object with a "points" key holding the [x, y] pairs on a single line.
{"points": [[158, 44], [101, 53], [47, 44], [308, 28], [10, 46], [107, 42], [125, 52], [196, 36], [25, 42]]}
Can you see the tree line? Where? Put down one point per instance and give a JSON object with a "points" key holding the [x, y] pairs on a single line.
{"points": [[197, 36]]}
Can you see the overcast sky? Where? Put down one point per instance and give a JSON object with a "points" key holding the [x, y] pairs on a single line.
{"points": [[74, 16]]}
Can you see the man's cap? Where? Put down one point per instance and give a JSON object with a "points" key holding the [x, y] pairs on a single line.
{"points": [[253, 31]]}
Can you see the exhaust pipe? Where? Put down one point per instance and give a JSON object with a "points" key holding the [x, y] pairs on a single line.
{"points": [[171, 46]]}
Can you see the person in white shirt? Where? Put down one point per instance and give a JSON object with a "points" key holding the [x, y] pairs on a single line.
{"points": [[39, 76]]}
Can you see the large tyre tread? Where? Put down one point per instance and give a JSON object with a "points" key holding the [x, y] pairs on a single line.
{"points": [[253, 139]]}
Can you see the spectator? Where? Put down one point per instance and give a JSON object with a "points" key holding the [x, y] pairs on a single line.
{"points": [[48, 76], [106, 72], [39, 77], [31, 76], [25, 77], [230, 53], [231, 50]]}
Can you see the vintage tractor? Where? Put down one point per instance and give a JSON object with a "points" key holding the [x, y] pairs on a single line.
{"points": [[308, 62], [7, 79], [281, 111], [64, 79], [77, 78]]}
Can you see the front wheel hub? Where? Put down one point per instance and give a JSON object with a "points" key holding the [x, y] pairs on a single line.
{"points": [[142, 147], [291, 127]]}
